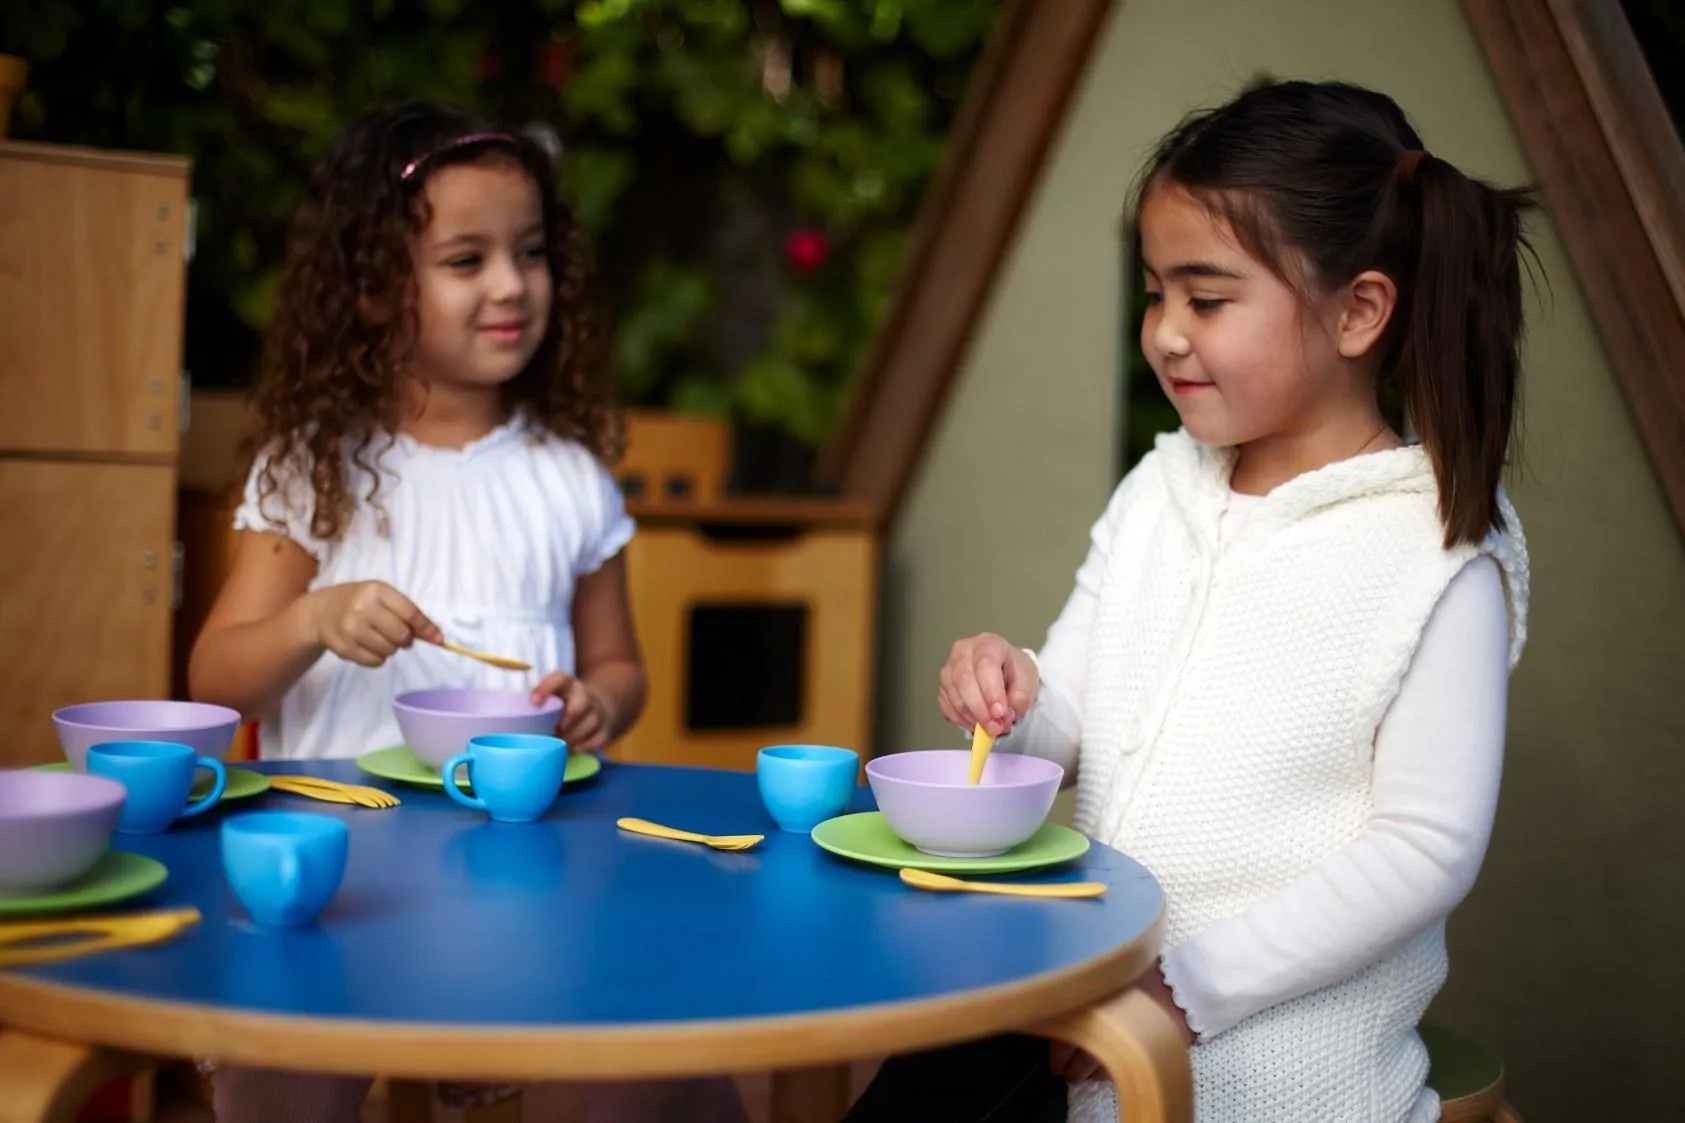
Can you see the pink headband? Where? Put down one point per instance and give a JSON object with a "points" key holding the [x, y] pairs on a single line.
{"points": [[464, 141]]}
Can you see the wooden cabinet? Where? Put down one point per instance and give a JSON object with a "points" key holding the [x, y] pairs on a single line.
{"points": [[93, 249], [91, 282], [86, 583]]}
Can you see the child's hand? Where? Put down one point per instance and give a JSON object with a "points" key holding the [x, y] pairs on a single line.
{"points": [[587, 717], [988, 682], [368, 621]]}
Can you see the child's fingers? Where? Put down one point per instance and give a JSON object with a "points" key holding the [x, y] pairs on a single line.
{"points": [[583, 728], [388, 627], [409, 616], [972, 702], [947, 697], [363, 655], [1019, 695], [552, 685], [991, 686], [1059, 1056], [950, 713]]}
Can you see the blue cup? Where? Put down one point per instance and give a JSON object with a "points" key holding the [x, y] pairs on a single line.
{"points": [[285, 866], [159, 777], [516, 776], [803, 785]]}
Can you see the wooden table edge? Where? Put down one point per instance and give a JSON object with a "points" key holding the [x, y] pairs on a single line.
{"points": [[491, 1052]]}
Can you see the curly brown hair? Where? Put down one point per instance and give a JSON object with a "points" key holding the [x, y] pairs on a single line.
{"points": [[345, 311]]}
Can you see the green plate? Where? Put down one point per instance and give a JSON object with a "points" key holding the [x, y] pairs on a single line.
{"points": [[865, 837], [401, 764], [242, 782], [117, 876]]}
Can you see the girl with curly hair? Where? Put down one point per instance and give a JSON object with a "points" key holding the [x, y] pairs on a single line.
{"points": [[431, 461]]}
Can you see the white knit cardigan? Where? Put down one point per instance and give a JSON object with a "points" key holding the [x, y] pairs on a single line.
{"points": [[1227, 732]]}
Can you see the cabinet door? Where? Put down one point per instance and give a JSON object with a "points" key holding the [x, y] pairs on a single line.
{"points": [[86, 581], [91, 282]]}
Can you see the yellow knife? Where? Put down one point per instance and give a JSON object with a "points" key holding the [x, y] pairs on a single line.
{"points": [[28, 942]]}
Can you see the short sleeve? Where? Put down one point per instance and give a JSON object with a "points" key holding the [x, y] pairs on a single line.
{"points": [[289, 506], [611, 528]]}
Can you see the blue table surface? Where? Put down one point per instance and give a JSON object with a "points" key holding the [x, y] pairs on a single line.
{"points": [[447, 918]]}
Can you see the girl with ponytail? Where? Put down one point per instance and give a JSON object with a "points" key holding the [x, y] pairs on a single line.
{"points": [[1280, 679]]}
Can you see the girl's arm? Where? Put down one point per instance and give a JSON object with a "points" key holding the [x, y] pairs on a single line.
{"points": [[259, 637], [1438, 757], [606, 694], [267, 628]]}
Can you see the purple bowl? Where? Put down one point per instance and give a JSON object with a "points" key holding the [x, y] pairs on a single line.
{"points": [[437, 724], [207, 730], [53, 827], [928, 800]]}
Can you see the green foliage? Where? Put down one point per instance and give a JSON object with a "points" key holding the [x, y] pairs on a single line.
{"points": [[698, 134]]}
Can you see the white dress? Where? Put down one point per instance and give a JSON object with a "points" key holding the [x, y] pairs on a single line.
{"points": [[488, 540]]}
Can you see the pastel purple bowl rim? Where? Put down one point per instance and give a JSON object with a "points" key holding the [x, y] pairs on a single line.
{"points": [[215, 715], [112, 793], [874, 773], [551, 704]]}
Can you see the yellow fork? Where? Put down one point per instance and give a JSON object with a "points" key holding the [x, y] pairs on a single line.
{"points": [[332, 791], [20, 942]]}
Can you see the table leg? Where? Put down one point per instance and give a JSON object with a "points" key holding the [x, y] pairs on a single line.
{"points": [[810, 1095], [1142, 1053], [48, 1081]]}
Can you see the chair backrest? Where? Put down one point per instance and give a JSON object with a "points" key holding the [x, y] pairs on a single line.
{"points": [[674, 458]]}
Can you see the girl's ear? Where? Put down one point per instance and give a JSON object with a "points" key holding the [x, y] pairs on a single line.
{"points": [[1366, 308]]}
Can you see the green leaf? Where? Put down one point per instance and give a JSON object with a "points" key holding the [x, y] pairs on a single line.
{"points": [[595, 13], [777, 392], [950, 28], [595, 178], [254, 300], [667, 303], [298, 107], [602, 89], [695, 392]]}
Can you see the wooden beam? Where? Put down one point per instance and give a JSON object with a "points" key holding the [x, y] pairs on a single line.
{"points": [[1613, 172], [1014, 105]]}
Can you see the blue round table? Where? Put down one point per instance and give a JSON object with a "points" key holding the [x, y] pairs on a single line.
{"points": [[465, 949]]}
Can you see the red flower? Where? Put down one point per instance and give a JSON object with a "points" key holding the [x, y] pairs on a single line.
{"points": [[806, 249], [554, 66]]}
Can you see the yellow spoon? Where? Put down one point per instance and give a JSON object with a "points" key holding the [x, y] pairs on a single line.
{"points": [[981, 743], [20, 944], [942, 883], [717, 841], [502, 661]]}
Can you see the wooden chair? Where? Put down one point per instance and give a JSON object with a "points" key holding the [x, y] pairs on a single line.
{"points": [[1468, 1076], [674, 458]]}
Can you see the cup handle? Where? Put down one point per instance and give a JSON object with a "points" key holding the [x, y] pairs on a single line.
{"points": [[218, 785], [448, 775]]}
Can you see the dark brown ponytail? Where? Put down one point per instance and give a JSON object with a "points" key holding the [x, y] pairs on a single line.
{"points": [[1322, 181], [1459, 355]]}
